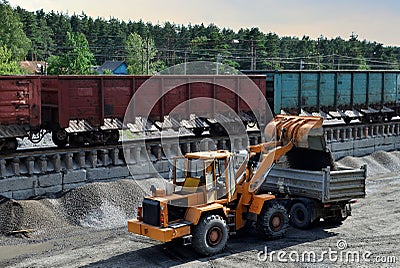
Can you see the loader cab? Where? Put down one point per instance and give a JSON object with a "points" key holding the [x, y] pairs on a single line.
{"points": [[209, 172]]}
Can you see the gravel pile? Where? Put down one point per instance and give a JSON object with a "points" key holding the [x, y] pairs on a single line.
{"points": [[39, 215], [105, 205], [97, 205], [378, 163]]}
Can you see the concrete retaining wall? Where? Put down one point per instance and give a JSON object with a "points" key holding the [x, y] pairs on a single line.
{"points": [[37, 175], [24, 187]]}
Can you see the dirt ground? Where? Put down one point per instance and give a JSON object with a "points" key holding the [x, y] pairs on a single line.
{"points": [[372, 234]]}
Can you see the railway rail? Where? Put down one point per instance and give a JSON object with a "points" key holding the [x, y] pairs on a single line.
{"points": [[53, 159]]}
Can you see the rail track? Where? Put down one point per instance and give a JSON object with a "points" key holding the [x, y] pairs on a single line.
{"points": [[42, 160]]}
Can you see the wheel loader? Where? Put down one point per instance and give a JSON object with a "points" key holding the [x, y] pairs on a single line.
{"points": [[215, 193]]}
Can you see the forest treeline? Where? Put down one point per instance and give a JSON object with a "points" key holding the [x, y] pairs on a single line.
{"points": [[44, 35]]}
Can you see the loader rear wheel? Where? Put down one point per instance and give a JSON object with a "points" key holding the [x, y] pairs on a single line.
{"points": [[300, 216], [273, 221], [210, 235]]}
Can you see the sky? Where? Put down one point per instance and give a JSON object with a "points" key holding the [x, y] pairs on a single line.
{"points": [[370, 19]]}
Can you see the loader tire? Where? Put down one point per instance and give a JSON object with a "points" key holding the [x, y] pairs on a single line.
{"points": [[210, 235], [300, 216], [273, 221]]}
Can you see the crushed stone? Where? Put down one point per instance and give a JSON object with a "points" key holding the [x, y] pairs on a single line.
{"points": [[106, 205]]}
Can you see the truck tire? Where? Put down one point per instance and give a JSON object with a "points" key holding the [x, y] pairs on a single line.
{"points": [[335, 221], [210, 235], [300, 216], [273, 221]]}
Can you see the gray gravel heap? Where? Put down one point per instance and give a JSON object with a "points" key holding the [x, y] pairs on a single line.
{"points": [[377, 163], [104, 205], [96, 205]]}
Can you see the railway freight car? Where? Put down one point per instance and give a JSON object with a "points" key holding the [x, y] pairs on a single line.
{"points": [[90, 109], [364, 95], [20, 109]]}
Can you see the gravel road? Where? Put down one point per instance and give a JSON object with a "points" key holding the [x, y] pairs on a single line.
{"points": [[372, 234]]}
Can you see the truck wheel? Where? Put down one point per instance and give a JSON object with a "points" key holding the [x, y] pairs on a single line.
{"points": [[210, 235], [335, 221], [300, 216], [60, 137], [273, 221]]}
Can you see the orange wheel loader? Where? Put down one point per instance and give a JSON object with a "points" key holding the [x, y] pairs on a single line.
{"points": [[217, 195]]}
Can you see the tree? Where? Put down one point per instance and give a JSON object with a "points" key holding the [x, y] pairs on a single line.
{"points": [[36, 28], [77, 59], [11, 32], [141, 54], [7, 66]]}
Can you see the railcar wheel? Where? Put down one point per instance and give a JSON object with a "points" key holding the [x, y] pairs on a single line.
{"points": [[60, 137], [210, 235], [114, 137], [198, 131], [9, 145]]}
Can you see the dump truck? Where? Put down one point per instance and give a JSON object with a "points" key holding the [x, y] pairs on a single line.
{"points": [[220, 193], [313, 195]]}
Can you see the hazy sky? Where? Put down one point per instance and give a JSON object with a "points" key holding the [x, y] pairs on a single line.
{"points": [[371, 19]]}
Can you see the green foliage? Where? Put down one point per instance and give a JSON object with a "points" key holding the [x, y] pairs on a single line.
{"points": [[107, 72], [7, 65], [77, 58], [41, 35], [171, 44], [141, 54], [11, 32], [363, 65]]}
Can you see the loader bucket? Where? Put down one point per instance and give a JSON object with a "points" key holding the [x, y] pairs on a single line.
{"points": [[310, 151], [305, 131]]}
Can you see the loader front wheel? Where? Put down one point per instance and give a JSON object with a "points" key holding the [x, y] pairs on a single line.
{"points": [[273, 221], [210, 235]]}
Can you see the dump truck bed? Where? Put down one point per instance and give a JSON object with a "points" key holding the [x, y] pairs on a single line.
{"points": [[326, 186]]}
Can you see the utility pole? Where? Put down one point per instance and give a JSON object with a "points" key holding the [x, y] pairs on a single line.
{"points": [[147, 56], [319, 62], [253, 56], [185, 62], [219, 57], [142, 57]]}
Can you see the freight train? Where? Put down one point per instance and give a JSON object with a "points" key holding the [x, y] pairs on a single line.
{"points": [[89, 109], [80, 110], [369, 96]]}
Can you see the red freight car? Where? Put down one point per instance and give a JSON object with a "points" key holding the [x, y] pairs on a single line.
{"points": [[83, 109], [90, 109], [19, 109]]}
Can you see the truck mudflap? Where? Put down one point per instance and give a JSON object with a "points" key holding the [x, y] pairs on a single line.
{"points": [[162, 234]]}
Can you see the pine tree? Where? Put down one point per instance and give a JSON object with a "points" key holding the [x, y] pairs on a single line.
{"points": [[12, 35]]}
